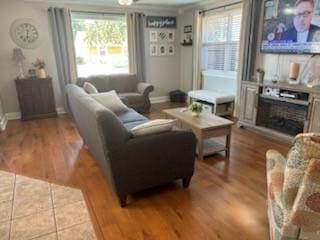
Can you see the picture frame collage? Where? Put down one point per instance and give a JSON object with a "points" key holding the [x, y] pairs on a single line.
{"points": [[162, 42]]}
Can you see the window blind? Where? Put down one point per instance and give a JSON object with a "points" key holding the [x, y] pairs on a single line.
{"points": [[220, 43]]}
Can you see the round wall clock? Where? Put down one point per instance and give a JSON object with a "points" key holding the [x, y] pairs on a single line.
{"points": [[25, 33]]}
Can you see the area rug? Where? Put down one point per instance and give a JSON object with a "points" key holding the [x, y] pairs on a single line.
{"points": [[31, 209]]}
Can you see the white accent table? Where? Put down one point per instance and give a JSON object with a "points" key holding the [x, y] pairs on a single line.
{"points": [[216, 102]]}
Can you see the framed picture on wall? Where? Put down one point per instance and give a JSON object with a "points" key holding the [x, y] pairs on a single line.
{"points": [[153, 36], [162, 50], [171, 49], [171, 36], [163, 35], [187, 29], [153, 50]]}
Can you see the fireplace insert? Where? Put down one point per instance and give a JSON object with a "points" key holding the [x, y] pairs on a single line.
{"points": [[282, 116]]}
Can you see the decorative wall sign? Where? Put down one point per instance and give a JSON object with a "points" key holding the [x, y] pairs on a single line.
{"points": [[153, 50], [161, 22], [153, 36], [171, 36], [171, 49], [162, 50], [272, 92], [188, 29]]}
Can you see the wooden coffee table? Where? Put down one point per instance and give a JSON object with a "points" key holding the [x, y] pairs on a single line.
{"points": [[205, 127]]}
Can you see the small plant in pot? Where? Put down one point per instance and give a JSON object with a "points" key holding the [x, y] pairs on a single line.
{"points": [[41, 68], [195, 108]]}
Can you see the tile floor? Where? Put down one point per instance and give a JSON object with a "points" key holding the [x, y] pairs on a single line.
{"points": [[31, 209]]}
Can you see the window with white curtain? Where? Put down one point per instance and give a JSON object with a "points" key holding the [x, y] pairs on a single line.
{"points": [[101, 43], [220, 41]]}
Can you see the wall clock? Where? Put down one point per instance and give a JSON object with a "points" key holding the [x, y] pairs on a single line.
{"points": [[25, 33]]}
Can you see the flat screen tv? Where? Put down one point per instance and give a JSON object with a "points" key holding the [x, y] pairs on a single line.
{"points": [[291, 26]]}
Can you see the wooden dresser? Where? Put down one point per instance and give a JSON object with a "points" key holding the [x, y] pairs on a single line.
{"points": [[36, 98]]}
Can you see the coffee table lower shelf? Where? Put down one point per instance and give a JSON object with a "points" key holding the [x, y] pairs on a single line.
{"points": [[211, 147]]}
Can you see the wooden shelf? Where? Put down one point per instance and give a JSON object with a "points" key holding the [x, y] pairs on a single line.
{"points": [[211, 147], [186, 44], [281, 99]]}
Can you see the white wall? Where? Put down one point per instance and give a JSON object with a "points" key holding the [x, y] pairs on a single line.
{"points": [[10, 11], [186, 53], [162, 72]]}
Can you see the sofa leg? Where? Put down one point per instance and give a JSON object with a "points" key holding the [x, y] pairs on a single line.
{"points": [[123, 201], [186, 182]]}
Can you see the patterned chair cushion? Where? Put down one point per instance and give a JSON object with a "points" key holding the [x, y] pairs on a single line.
{"points": [[294, 190]]}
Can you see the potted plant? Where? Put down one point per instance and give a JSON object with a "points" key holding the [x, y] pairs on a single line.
{"points": [[41, 68], [195, 108], [260, 75]]}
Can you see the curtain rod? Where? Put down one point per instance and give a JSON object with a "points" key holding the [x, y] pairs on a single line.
{"points": [[90, 12], [216, 8], [114, 13]]}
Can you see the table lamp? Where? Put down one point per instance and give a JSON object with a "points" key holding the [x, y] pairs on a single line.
{"points": [[18, 57]]}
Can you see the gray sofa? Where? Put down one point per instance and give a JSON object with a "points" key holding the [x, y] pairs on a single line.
{"points": [[131, 164], [127, 86]]}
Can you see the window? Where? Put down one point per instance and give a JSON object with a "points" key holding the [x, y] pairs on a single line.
{"points": [[101, 43], [220, 44]]}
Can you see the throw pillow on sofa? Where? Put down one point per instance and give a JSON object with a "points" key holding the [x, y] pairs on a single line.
{"points": [[153, 127], [111, 101], [89, 88]]}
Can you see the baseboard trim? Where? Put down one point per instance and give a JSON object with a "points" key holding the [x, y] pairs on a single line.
{"points": [[160, 99], [13, 116], [3, 123], [17, 115], [61, 111]]}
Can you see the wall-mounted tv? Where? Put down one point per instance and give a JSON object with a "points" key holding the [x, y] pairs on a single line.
{"points": [[291, 26]]}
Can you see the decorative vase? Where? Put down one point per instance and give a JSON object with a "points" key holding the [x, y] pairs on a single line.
{"points": [[195, 114], [42, 73]]}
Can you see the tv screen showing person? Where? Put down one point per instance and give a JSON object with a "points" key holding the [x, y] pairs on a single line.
{"points": [[303, 30], [291, 26]]}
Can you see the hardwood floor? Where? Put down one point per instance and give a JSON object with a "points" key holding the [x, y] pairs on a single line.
{"points": [[223, 201]]}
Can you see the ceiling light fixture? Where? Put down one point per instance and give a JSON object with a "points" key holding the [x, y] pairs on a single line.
{"points": [[125, 2]]}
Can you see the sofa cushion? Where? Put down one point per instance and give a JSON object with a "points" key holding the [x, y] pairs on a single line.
{"points": [[153, 127], [123, 83], [89, 88], [100, 82], [133, 98], [131, 125], [111, 101], [130, 116]]}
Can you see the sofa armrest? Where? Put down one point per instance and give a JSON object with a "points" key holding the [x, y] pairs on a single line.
{"points": [[147, 161], [275, 176], [144, 88]]}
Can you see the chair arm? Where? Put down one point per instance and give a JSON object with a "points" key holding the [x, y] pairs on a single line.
{"points": [[308, 198], [147, 161], [275, 176], [145, 88]]}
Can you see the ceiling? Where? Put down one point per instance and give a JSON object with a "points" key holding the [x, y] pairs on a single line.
{"points": [[165, 3]]}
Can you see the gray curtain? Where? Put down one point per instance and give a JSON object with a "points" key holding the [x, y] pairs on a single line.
{"points": [[61, 31], [138, 20], [251, 38]]}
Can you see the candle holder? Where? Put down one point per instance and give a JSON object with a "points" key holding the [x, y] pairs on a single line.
{"points": [[294, 73]]}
